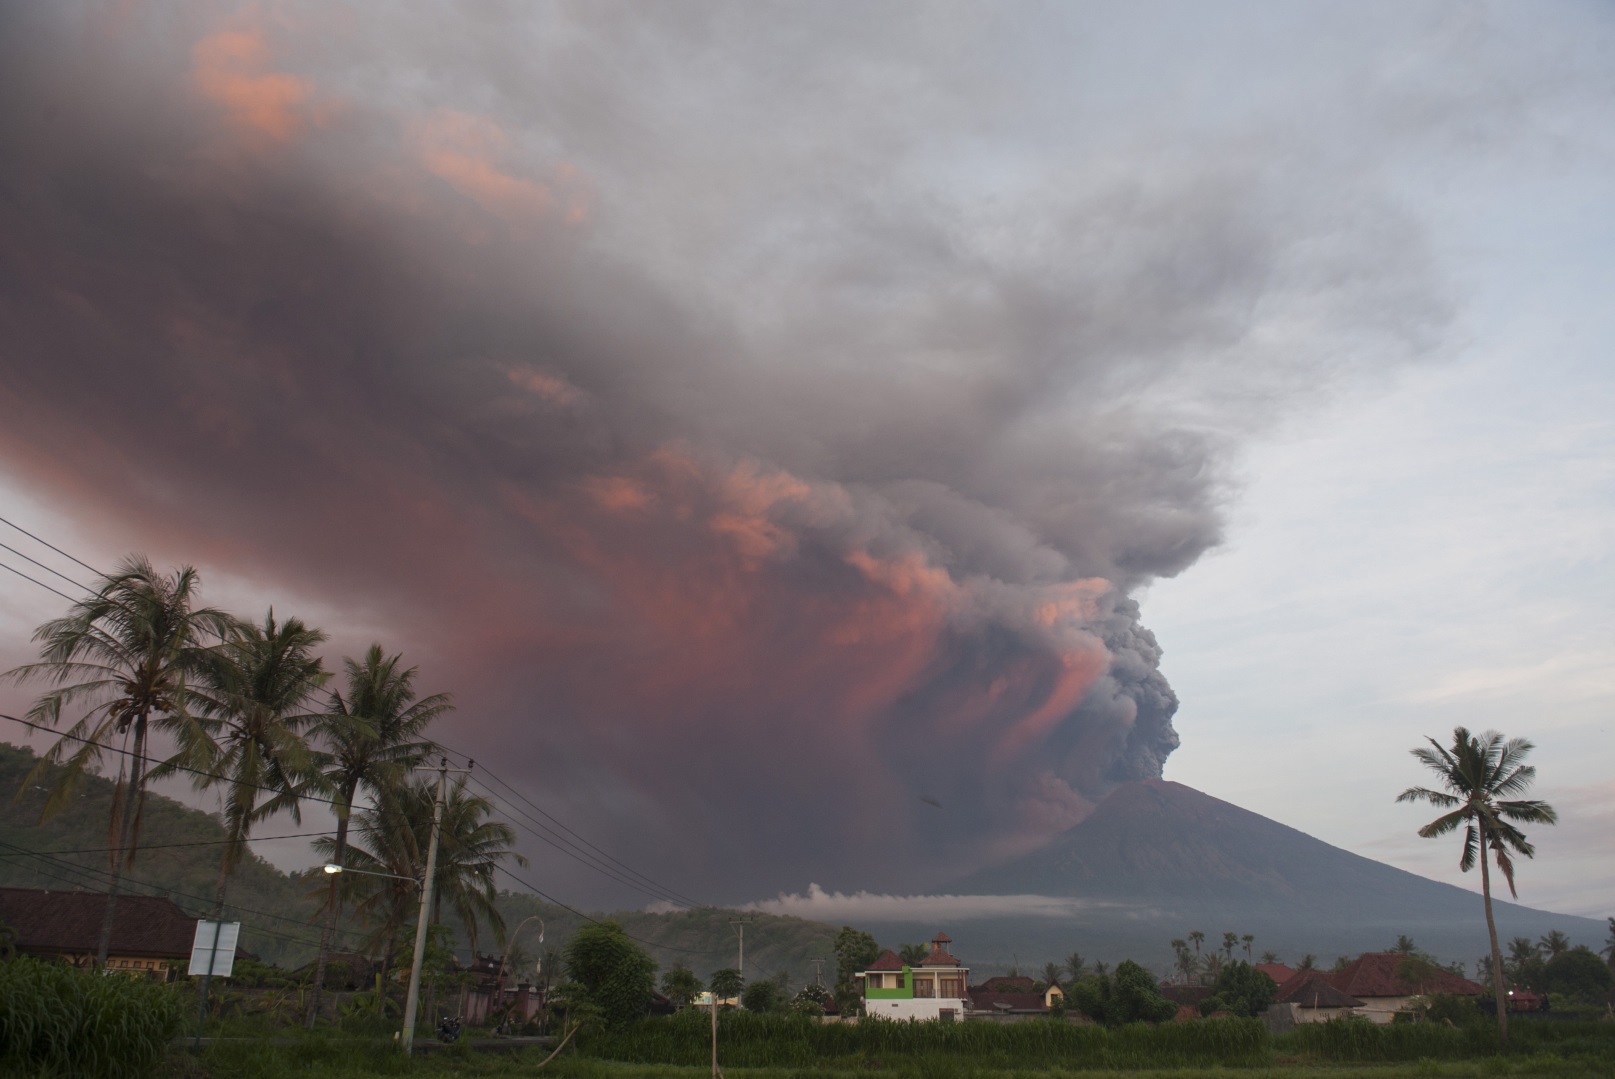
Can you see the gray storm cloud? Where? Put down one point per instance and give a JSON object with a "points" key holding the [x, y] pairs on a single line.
{"points": [[757, 442]]}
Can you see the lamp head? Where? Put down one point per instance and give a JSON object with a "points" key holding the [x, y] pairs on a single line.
{"points": [[331, 867]]}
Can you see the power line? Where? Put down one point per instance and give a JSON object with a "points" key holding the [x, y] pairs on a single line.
{"points": [[640, 882], [557, 844], [92, 874], [170, 846], [655, 890], [44, 567], [168, 764], [52, 546], [650, 886], [41, 584], [530, 886]]}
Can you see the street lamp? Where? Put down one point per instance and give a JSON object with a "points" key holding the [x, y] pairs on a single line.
{"points": [[333, 868]]}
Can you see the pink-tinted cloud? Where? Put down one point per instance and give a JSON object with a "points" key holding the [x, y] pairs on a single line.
{"points": [[232, 70], [470, 153]]}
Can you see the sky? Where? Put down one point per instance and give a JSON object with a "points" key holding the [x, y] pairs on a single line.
{"points": [[826, 448]]}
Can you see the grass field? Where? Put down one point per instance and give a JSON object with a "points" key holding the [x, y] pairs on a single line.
{"points": [[274, 1065], [318, 1059]]}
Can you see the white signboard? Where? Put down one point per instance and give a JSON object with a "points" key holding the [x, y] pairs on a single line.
{"points": [[214, 950]]}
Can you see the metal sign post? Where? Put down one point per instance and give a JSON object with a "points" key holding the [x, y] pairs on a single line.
{"points": [[212, 952]]}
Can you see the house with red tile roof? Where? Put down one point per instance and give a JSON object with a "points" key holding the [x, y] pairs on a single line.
{"points": [[933, 989], [151, 935], [1386, 982], [1279, 972]]}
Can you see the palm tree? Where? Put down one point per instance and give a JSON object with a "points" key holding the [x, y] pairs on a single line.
{"points": [[1249, 939], [1308, 962], [1480, 773], [130, 652], [371, 739], [1052, 973], [1195, 938], [1185, 964], [1404, 945], [912, 953], [469, 850], [1076, 966], [1270, 957], [250, 734], [1230, 941], [1554, 944]]}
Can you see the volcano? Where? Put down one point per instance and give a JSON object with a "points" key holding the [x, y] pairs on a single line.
{"points": [[1157, 859]]}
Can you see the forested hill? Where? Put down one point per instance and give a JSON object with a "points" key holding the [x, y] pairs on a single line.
{"points": [[704, 939], [178, 856]]}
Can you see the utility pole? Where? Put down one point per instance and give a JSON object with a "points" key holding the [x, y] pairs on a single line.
{"points": [[818, 971], [412, 999], [740, 926]]}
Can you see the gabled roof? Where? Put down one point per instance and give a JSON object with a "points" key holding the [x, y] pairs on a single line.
{"points": [[1373, 974], [1006, 983], [985, 1000], [1277, 971], [940, 958], [1312, 989], [50, 921], [888, 960]]}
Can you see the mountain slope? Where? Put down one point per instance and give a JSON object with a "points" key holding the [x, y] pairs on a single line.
{"points": [[1157, 859]]}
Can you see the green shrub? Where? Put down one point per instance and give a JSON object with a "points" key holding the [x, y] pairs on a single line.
{"points": [[58, 1020]]}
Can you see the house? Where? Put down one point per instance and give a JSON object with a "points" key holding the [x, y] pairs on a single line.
{"points": [[1310, 997], [935, 989], [1279, 972], [151, 935], [1007, 997], [1386, 982]]}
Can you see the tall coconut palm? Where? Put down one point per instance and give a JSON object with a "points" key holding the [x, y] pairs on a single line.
{"points": [[392, 839], [1250, 940], [1481, 773], [249, 737], [129, 656], [470, 848], [912, 954], [1554, 944], [1196, 937], [1075, 966], [1053, 974], [1230, 941], [370, 738]]}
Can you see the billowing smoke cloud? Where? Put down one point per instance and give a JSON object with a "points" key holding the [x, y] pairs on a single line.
{"points": [[763, 455]]}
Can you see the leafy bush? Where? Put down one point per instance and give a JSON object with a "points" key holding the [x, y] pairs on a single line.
{"points": [[1580, 975], [56, 1019], [1130, 996], [1242, 989], [615, 974]]}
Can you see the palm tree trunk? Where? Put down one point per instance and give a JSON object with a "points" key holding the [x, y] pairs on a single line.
{"points": [[126, 839], [1497, 956], [332, 903]]}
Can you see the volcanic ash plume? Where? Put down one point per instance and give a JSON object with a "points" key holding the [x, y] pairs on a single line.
{"points": [[773, 509]]}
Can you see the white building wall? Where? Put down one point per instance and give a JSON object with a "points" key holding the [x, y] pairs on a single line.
{"points": [[918, 1008]]}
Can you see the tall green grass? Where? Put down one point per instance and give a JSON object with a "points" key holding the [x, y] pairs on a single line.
{"points": [[767, 1041], [56, 1020], [1359, 1041]]}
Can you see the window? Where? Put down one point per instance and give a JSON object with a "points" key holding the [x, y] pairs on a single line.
{"points": [[924, 987], [951, 987], [946, 1014], [874, 981]]}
